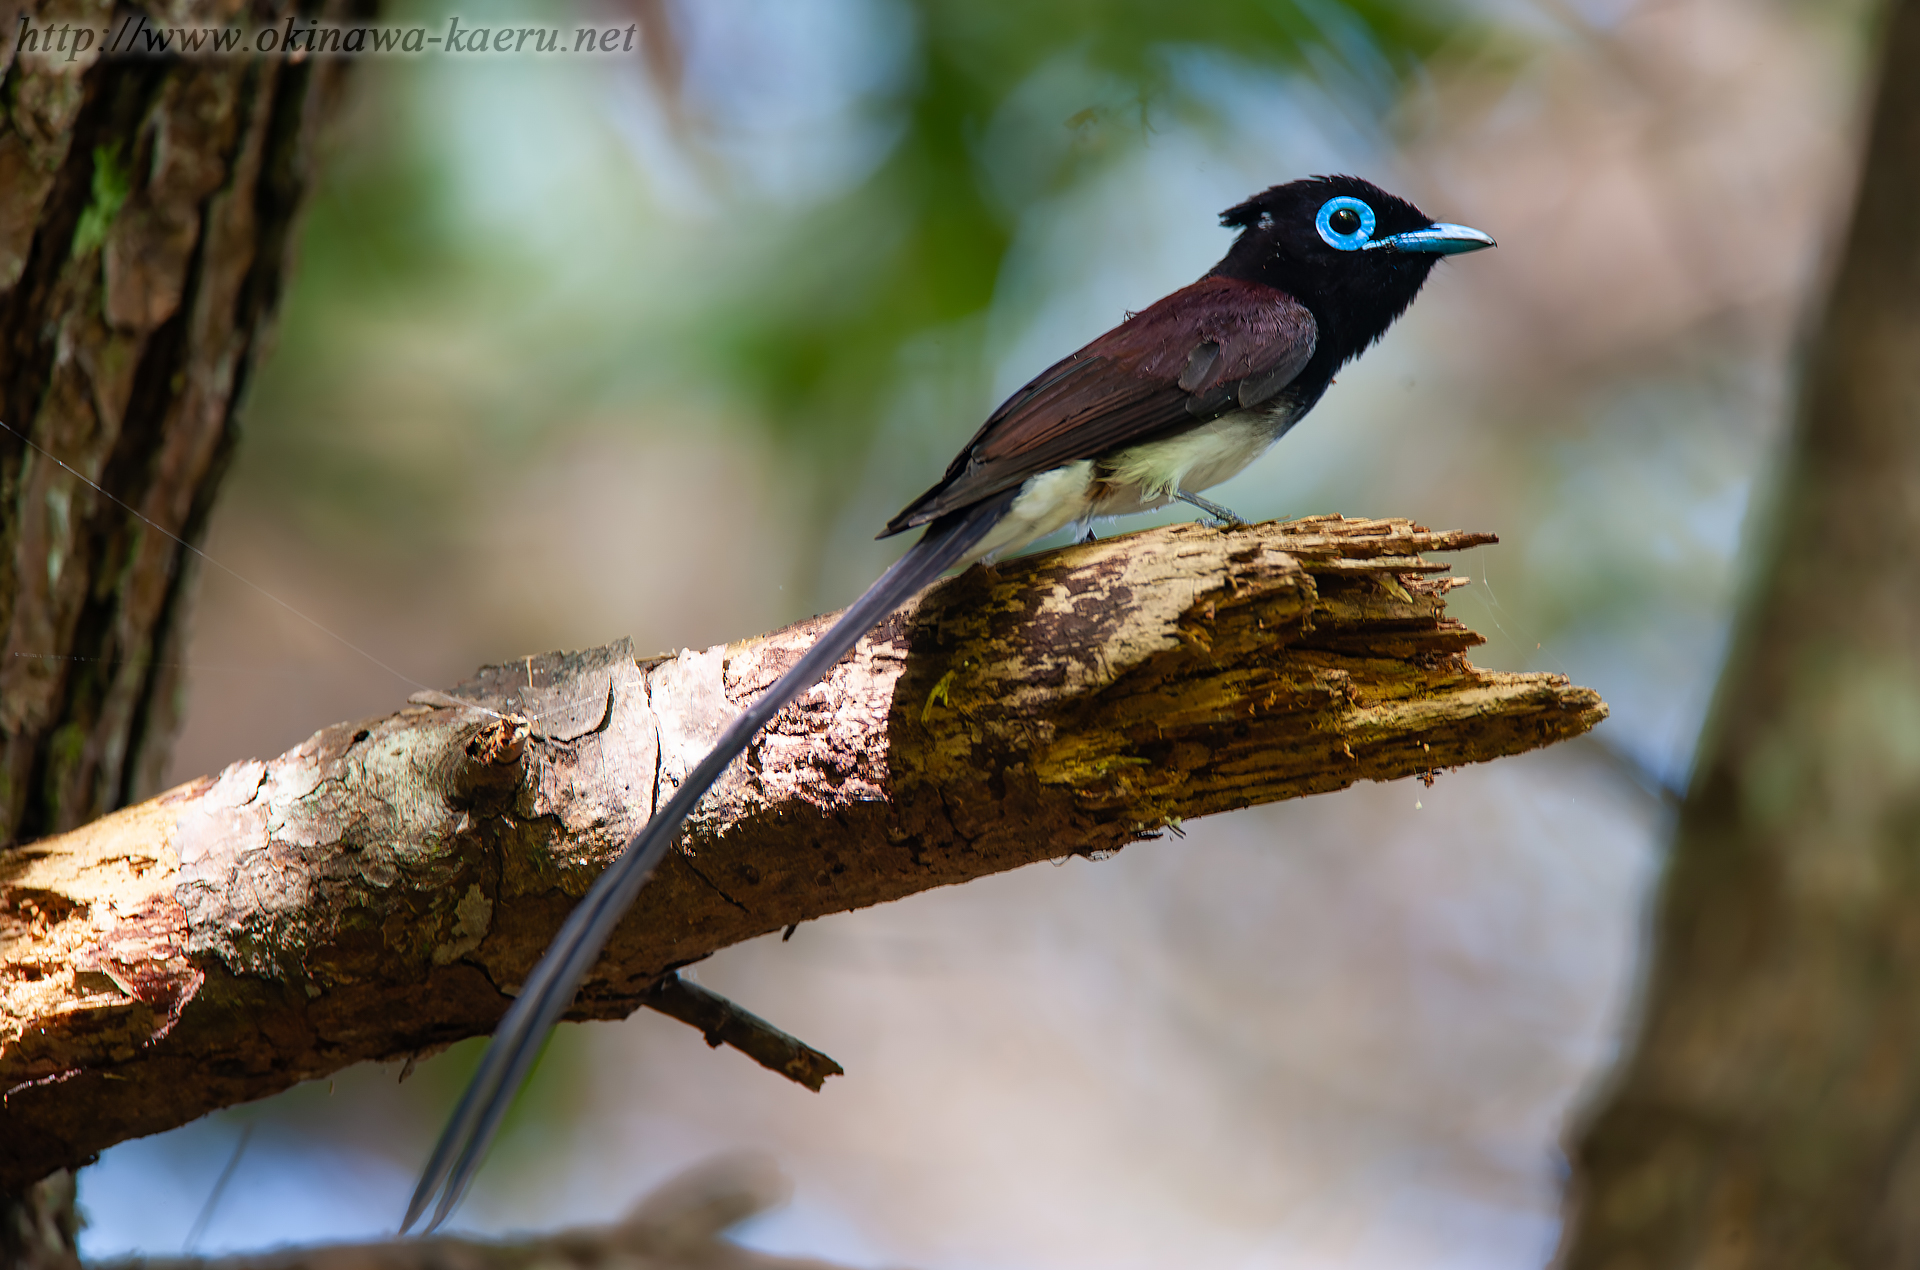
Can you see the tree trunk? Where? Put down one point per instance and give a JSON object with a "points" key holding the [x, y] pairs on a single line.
{"points": [[1770, 1115], [147, 208]]}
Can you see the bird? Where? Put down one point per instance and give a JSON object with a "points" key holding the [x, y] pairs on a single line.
{"points": [[1176, 399]]}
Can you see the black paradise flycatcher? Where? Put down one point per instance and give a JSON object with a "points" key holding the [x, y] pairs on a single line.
{"points": [[1174, 400]]}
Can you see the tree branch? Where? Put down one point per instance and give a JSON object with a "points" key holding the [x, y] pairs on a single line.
{"points": [[680, 1226], [383, 888], [724, 1023]]}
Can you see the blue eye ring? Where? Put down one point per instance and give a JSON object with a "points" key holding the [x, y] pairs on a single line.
{"points": [[1352, 241]]}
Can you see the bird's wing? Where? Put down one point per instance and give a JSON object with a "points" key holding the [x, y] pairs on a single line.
{"points": [[1219, 345]]}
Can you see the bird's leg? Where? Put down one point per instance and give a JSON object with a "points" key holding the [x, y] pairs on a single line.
{"points": [[1083, 532], [1211, 508]]}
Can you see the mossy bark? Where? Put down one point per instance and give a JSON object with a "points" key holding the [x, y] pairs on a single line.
{"points": [[147, 208]]}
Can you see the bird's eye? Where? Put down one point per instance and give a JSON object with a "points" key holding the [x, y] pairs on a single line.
{"points": [[1345, 223]]}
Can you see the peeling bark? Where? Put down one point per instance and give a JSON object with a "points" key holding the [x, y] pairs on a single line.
{"points": [[382, 889]]}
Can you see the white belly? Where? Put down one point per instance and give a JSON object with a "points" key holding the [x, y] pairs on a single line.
{"points": [[1136, 479], [1049, 501], [1148, 475]]}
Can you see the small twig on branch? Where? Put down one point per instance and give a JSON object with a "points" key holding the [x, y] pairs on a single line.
{"points": [[382, 889], [724, 1023]]}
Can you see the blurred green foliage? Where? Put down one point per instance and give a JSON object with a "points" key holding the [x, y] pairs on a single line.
{"points": [[794, 310], [920, 242], [412, 345]]}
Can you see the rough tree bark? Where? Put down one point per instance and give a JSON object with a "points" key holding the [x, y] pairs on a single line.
{"points": [[1770, 1114], [146, 212], [380, 890]]}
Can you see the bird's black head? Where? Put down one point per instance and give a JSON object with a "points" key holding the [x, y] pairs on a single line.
{"points": [[1354, 254]]}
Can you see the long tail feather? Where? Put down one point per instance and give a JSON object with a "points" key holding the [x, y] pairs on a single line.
{"points": [[549, 990]]}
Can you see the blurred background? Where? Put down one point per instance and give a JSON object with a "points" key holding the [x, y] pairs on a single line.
{"points": [[651, 345]]}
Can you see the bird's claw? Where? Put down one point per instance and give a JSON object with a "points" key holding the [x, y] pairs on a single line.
{"points": [[1225, 516]]}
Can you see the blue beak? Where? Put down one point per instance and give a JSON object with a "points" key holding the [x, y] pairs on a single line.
{"points": [[1440, 240]]}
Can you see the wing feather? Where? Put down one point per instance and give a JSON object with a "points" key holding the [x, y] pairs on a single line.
{"points": [[1219, 345]]}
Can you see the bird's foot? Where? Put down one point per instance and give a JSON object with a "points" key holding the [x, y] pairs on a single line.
{"points": [[1086, 534], [1222, 514]]}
